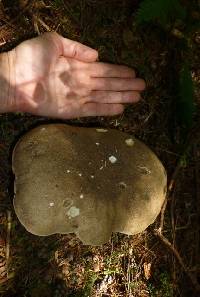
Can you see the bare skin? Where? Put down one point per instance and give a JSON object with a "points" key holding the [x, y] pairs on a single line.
{"points": [[57, 77]]}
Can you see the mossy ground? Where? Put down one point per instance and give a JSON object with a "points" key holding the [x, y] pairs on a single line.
{"points": [[129, 265]]}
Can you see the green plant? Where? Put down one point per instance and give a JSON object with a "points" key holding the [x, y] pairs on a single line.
{"points": [[91, 278], [162, 11], [162, 288]]}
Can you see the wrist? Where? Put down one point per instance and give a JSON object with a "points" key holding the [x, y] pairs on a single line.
{"points": [[7, 83]]}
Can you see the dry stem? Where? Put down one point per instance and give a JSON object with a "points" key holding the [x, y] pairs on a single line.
{"points": [[180, 260], [170, 193], [9, 220]]}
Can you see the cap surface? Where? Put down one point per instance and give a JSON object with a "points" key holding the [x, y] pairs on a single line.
{"points": [[88, 181]]}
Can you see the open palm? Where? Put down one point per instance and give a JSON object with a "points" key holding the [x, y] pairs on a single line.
{"points": [[58, 77]]}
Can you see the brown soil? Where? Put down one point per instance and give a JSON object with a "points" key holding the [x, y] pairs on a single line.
{"points": [[139, 265]]}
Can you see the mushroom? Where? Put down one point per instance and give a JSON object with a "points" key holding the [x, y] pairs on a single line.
{"points": [[66, 183]]}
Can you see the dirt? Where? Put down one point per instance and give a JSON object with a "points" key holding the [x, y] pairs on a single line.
{"points": [[139, 265]]}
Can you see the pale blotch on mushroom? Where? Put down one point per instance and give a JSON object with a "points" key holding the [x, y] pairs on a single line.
{"points": [[129, 141], [73, 212], [101, 130], [112, 159], [126, 196]]}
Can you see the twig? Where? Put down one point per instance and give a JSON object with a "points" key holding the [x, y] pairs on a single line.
{"points": [[128, 271], [170, 193], [192, 138], [67, 7], [43, 23], [7, 23], [166, 151], [170, 190], [197, 182], [173, 232], [9, 220], [162, 214], [180, 260], [2, 43], [35, 23]]}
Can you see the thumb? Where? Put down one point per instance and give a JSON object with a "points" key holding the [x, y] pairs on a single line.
{"points": [[76, 50]]}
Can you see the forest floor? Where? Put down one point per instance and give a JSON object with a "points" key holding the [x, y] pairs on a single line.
{"points": [[149, 264]]}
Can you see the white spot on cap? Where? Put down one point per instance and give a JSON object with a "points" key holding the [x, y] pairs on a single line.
{"points": [[92, 176], [102, 130], [123, 185], [73, 212], [129, 142], [51, 204], [43, 129], [68, 171], [81, 196], [97, 143], [80, 174], [144, 170], [112, 159]]}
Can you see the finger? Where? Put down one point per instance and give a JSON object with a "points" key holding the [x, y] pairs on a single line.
{"points": [[98, 109], [76, 50], [113, 97], [117, 84], [110, 70]]}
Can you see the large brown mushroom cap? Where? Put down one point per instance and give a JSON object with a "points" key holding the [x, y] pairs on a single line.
{"points": [[88, 181]]}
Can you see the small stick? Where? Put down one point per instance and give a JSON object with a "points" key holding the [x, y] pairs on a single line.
{"points": [[35, 23], [170, 192], [178, 257], [2, 42], [9, 221], [162, 214], [43, 23], [158, 232], [67, 7], [197, 173]]}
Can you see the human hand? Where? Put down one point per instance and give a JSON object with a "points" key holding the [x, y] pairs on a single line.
{"points": [[57, 77]]}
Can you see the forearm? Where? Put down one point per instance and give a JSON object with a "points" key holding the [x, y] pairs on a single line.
{"points": [[7, 88]]}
